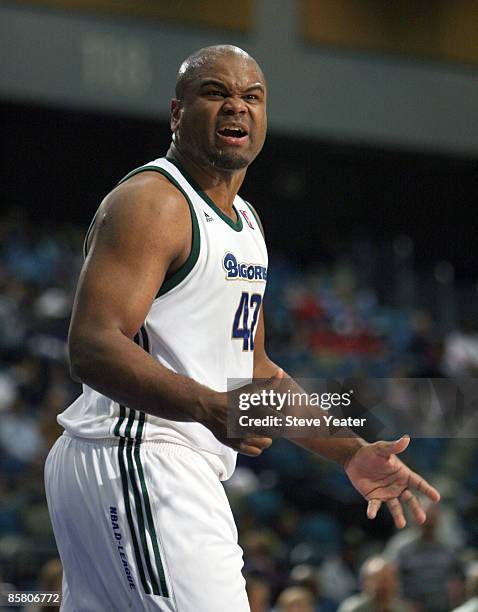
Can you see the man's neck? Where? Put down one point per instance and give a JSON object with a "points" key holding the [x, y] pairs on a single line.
{"points": [[221, 186]]}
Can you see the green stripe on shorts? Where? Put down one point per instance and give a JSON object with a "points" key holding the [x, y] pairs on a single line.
{"points": [[129, 515], [132, 448], [147, 506]]}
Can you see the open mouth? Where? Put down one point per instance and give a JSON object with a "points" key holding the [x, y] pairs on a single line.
{"points": [[233, 134]]}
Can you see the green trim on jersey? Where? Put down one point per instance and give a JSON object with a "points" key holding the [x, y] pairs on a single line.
{"points": [[190, 262], [235, 225]]}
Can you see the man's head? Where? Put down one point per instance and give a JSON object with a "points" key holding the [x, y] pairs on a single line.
{"points": [[295, 599], [218, 116], [379, 578]]}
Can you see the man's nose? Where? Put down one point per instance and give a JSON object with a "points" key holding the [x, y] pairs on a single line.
{"points": [[234, 106]]}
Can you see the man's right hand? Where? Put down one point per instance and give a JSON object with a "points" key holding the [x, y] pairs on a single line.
{"points": [[216, 412]]}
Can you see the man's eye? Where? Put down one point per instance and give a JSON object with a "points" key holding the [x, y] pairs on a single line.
{"points": [[216, 93], [252, 97]]}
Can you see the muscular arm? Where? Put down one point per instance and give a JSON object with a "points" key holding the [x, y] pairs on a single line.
{"points": [[142, 231]]}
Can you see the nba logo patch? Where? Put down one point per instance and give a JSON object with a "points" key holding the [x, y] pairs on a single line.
{"points": [[246, 217]]}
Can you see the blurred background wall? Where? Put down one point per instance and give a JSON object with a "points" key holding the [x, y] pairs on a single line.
{"points": [[367, 187], [348, 70]]}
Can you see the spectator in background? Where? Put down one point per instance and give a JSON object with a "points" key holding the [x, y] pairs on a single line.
{"points": [[338, 572], [261, 551], [20, 436], [424, 348], [379, 580], [50, 580], [307, 577], [295, 599], [430, 571], [15, 296], [461, 351], [258, 593], [471, 604]]}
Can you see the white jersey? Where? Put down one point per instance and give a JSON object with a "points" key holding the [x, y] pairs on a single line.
{"points": [[202, 324]]}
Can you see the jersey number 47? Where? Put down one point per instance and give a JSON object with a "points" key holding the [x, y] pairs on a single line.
{"points": [[246, 316]]}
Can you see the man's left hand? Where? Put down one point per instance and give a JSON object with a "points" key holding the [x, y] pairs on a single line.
{"points": [[380, 476]]}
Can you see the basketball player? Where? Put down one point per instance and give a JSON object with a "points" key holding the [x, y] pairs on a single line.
{"points": [[165, 312]]}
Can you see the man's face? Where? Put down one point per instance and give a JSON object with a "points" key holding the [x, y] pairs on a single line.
{"points": [[221, 120]]}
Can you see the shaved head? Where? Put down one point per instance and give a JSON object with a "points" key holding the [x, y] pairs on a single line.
{"points": [[205, 57], [218, 117]]}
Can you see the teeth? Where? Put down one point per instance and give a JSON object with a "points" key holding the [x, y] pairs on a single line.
{"points": [[234, 130]]}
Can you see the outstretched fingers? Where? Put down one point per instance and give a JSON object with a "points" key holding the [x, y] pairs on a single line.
{"points": [[416, 482], [416, 509], [395, 508], [373, 507], [396, 511]]}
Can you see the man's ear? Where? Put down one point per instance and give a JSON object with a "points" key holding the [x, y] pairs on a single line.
{"points": [[176, 110]]}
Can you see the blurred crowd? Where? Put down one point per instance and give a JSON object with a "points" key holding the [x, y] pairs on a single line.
{"points": [[308, 545]]}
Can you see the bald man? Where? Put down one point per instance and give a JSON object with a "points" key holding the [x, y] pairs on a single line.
{"points": [[168, 308], [379, 579]]}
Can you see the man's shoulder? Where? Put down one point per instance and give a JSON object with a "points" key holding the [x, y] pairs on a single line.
{"points": [[147, 204], [147, 192]]}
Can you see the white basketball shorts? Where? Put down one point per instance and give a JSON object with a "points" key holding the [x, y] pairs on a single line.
{"points": [[142, 527]]}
